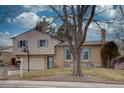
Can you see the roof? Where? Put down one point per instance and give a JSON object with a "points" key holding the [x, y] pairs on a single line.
{"points": [[86, 43], [36, 31], [118, 59], [6, 49]]}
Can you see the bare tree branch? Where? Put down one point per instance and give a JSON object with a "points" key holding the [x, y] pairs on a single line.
{"points": [[88, 23]]}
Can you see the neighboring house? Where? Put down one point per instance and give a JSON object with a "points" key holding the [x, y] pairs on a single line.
{"points": [[6, 54], [120, 45], [47, 52], [118, 62], [121, 49]]}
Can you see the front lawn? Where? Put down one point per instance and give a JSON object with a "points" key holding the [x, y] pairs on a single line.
{"points": [[46, 73], [89, 74], [108, 74]]}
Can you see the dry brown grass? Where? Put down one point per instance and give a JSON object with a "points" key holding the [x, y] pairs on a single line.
{"points": [[102, 73]]}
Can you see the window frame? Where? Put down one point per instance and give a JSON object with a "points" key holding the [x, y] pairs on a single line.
{"points": [[87, 52], [22, 43], [68, 54], [42, 43], [86, 55]]}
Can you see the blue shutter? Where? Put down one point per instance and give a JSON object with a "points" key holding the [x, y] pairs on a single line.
{"points": [[46, 43], [38, 43], [18, 44], [81, 55], [89, 53], [65, 51]]}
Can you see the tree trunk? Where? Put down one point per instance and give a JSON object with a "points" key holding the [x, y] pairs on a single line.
{"points": [[76, 64], [109, 62]]}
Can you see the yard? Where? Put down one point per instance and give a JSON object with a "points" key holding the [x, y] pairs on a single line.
{"points": [[89, 75]]}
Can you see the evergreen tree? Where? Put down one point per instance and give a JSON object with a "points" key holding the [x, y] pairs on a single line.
{"points": [[108, 52]]}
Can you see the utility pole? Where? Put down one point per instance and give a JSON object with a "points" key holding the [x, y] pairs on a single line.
{"points": [[28, 59], [28, 55]]}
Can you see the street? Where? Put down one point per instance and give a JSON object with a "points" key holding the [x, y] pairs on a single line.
{"points": [[54, 84]]}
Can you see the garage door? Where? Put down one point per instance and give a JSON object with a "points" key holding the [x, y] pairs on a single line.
{"points": [[34, 63]]}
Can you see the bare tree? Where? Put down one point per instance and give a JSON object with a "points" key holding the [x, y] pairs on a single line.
{"points": [[75, 29], [118, 25]]}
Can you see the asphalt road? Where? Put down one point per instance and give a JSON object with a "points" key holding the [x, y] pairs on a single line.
{"points": [[54, 84]]}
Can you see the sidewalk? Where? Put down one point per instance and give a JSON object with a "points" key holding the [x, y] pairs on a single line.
{"points": [[54, 84], [14, 72]]}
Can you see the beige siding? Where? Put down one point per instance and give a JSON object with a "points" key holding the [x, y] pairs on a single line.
{"points": [[32, 37], [59, 57], [38, 56], [95, 56]]}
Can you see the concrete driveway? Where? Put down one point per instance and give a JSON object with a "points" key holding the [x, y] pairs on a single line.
{"points": [[54, 84]]}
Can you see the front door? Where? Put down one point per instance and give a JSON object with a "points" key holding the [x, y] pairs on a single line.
{"points": [[50, 62]]}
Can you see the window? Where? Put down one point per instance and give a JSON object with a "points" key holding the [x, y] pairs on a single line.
{"points": [[86, 56], [42, 43], [22, 43], [67, 54]]}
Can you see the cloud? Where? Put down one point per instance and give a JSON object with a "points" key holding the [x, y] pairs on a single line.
{"points": [[106, 11], [5, 39], [94, 32], [36, 8], [26, 19], [7, 33]]}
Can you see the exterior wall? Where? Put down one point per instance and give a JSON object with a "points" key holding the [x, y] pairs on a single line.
{"points": [[59, 57], [38, 58], [32, 37], [121, 51], [95, 57], [39, 62], [6, 57], [1, 56], [36, 62]]}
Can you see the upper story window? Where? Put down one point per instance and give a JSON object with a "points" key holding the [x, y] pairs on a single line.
{"points": [[22, 43], [42, 43], [67, 54]]}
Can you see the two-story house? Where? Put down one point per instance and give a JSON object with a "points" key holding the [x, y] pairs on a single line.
{"points": [[47, 52]]}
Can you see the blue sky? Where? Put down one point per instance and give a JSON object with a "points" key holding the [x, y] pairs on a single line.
{"points": [[18, 19]]}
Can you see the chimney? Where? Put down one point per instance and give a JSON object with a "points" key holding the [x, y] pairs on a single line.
{"points": [[103, 36]]}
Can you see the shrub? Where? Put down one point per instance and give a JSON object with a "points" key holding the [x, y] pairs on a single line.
{"points": [[108, 52]]}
